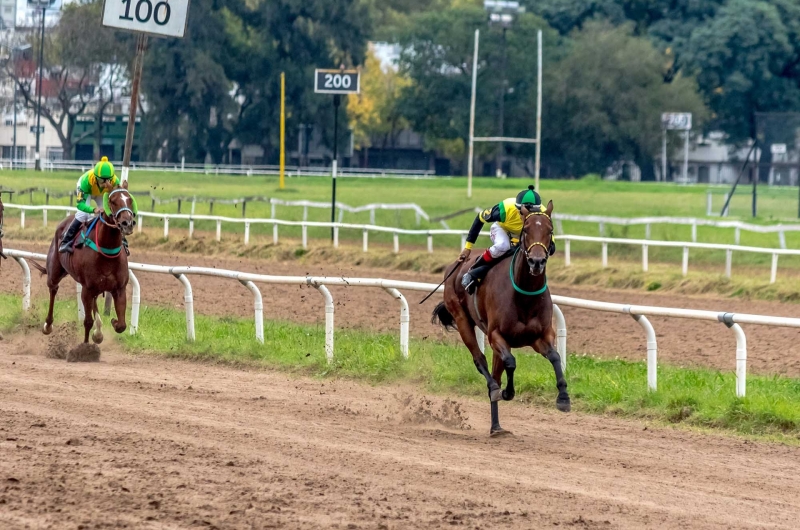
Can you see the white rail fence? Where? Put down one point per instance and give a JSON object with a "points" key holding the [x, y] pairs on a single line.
{"points": [[226, 169], [392, 287], [429, 234]]}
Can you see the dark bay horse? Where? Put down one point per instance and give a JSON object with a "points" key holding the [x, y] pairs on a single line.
{"points": [[512, 307], [101, 265]]}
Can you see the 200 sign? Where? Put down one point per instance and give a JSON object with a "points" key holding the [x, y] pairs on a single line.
{"points": [[144, 10]]}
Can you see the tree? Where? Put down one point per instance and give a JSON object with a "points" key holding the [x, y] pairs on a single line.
{"points": [[73, 67], [437, 49], [374, 113], [605, 99], [747, 60]]}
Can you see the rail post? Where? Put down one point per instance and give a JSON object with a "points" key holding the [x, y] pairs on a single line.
{"points": [[139, 223], [166, 227], [136, 299], [219, 230], [326, 294], [645, 264], [605, 254], [22, 219], [335, 237], [561, 335], [26, 284], [44, 217], [365, 240], [258, 307], [567, 257], [685, 261], [305, 236], [188, 302], [396, 241], [694, 230], [652, 351], [728, 262], [404, 319], [275, 234], [246, 234], [430, 243], [81, 309], [773, 275]]}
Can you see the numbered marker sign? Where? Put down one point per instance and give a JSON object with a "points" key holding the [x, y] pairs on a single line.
{"points": [[157, 17], [677, 121], [337, 81]]}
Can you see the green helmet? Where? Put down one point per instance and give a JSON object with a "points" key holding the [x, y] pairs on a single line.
{"points": [[104, 169], [528, 198]]}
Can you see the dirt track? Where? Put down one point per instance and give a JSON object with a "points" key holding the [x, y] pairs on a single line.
{"points": [[142, 442], [681, 342]]}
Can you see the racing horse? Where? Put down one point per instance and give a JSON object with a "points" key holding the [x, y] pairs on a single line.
{"points": [[512, 307], [101, 265]]}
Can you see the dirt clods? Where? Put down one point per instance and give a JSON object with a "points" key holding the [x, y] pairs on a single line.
{"points": [[59, 342], [421, 410], [84, 353]]}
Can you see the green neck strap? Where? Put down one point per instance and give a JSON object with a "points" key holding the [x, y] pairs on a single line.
{"points": [[516, 287]]}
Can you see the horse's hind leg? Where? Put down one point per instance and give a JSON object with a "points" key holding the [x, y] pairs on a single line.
{"points": [[107, 309], [546, 348], [502, 359], [48, 322], [466, 328]]}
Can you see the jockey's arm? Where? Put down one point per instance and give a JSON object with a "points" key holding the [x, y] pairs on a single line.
{"points": [[84, 203], [486, 216]]}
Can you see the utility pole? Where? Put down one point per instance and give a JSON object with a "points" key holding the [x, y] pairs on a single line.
{"points": [[39, 96]]}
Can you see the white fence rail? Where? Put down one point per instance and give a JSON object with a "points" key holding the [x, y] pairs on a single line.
{"points": [[393, 288], [225, 169], [685, 245], [429, 234]]}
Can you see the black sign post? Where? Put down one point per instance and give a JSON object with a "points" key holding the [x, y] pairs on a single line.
{"points": [[336, 82]]}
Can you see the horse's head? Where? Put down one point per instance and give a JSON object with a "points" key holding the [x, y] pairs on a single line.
{"points": [[537, 233], [120, 206]]}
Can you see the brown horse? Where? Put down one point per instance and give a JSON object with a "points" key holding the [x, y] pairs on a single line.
{"points": [[101, 265], [512, 307]]}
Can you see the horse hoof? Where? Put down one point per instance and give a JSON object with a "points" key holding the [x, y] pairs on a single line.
{"points": [[47, 329], [97, 338], [495, 395], [563, 405], [497, 433], [508, 396]]}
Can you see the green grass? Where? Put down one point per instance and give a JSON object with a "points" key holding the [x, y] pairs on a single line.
{"points": [[442, 196], [692, 397]]}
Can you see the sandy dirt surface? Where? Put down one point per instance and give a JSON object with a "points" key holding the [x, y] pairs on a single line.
{"points": [[680, 342], [144, 442]]}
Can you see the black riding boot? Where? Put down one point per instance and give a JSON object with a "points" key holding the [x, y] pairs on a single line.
{"points": [[69, 235], [475, 275]]}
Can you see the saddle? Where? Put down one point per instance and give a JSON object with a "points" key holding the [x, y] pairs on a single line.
{"points": [[479, 273], [83, 239]]}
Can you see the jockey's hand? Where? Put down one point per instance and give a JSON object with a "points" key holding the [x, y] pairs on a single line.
{"points": [[464, 255], [98, 211]]}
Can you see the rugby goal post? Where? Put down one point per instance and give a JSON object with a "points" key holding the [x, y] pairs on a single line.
{"points": [[505, 139]]}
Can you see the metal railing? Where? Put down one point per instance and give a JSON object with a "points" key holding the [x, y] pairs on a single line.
{"points": [[393, 287], [429, 235]]}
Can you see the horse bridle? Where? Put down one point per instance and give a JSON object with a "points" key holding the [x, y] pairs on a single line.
{"points": [[525, 249], [118, 212]]}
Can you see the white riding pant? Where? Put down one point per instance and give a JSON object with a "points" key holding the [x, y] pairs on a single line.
{"points": [[501, 241], [83, 216]]}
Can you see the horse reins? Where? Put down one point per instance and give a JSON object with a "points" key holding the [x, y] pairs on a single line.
{"points": [[114, 225]]}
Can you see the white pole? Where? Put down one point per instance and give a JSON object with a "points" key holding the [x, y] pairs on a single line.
{"points": [[664, 156], [166, 227], [365, 236], [26, 284], [305, 236], [258, 309], [396, 241], [773, 276], [686, 158], [644, 258], [275, 234], [246, 234], [219, 230], [728, 262], [188, 302], [136, 299], [538, 112], [605, 255], [561, 335], [404, 319], [741, 360], [472, 114], [567, 260], [652, 351], [430, 244], [685, 261]]}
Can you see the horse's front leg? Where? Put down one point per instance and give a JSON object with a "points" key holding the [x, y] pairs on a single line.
{"points": [[88, 300], [120, 306], [546, 347], [503, 359]]}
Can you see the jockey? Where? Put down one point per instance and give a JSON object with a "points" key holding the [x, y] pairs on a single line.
{"points": [[91, 187], [506, 229]]}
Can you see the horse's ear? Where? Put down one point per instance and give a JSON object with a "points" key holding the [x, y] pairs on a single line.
{"points": [[524, 211], [549, 210]]}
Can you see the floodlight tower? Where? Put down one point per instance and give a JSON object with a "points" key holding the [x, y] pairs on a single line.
{"points": [[501, 13]]}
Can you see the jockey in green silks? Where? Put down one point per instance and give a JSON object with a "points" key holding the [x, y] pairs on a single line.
{"points": [[506, 228], [92, 185]]}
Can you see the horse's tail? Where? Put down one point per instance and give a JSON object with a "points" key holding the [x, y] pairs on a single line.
{"points": [[441, 313], [38, 267]]}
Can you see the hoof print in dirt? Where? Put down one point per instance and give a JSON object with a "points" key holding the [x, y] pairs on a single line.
{"points": [[84, 353]]}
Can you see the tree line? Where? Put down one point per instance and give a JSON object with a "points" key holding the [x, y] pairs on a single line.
{"points": [[611, 67]]}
